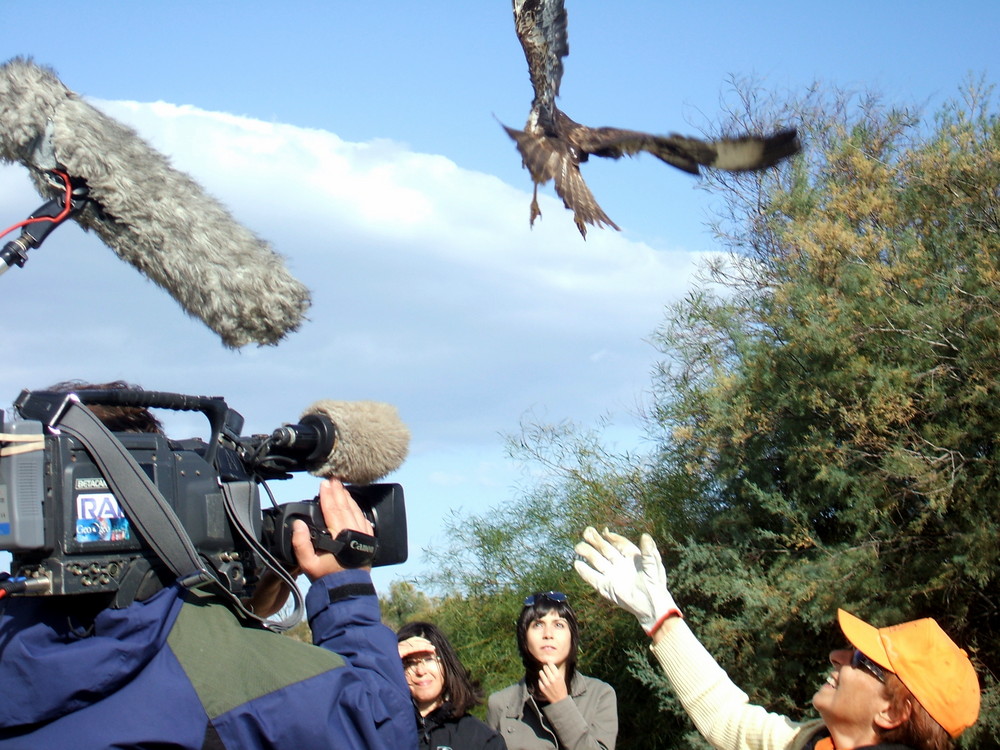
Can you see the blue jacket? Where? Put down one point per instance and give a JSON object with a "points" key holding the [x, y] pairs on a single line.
{"points": [[178, 670]]}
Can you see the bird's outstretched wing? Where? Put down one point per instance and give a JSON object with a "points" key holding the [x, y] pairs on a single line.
{"points": [[541, 28], [745, 153]]}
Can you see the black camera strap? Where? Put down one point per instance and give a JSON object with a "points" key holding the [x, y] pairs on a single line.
{"points": [[238, 510], [142, 502]]}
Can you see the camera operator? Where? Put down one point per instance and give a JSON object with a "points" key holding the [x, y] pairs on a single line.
{"points": [[179, 669]]}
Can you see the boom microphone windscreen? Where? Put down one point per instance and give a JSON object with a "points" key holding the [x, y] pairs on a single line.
{"points": [[153, 216], [371, 440]]}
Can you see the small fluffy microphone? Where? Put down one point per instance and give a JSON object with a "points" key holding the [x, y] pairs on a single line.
{"points": [[153, 216], [355, 441]]}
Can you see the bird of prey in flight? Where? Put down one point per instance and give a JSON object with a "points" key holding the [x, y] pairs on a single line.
{"points": [[552, 146]]}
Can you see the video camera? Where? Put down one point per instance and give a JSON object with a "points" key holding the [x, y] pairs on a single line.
{"points": [[85, 510]]}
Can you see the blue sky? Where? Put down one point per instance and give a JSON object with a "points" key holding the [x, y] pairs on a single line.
{"points": [[362, 140]]}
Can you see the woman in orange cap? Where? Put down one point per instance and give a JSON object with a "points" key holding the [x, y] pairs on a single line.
{"points": [[906, 685]]}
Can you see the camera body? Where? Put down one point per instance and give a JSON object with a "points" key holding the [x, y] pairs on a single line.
{"points": [[382, 505], [60, 518]]}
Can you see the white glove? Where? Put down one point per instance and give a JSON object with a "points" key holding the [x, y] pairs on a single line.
{"points": [[631, 577]]}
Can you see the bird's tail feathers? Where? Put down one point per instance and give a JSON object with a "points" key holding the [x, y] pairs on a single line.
{"points": [[570, 186]]}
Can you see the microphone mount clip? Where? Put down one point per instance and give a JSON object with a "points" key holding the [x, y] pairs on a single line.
{"points": [[46, 217]]}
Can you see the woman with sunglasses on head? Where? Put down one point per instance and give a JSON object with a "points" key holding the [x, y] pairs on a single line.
{"points": [[554, 706], [904, 686], [442, 692]]}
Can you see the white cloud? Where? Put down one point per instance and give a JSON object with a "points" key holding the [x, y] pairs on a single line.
{"points": [[430, 291]]}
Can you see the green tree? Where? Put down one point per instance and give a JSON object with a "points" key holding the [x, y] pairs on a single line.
{"points": [[833, 399], [405, 603]]}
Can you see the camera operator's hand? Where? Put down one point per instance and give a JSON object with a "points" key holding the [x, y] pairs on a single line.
{"points": [[270, 594], [340, 512], [631, 577]]}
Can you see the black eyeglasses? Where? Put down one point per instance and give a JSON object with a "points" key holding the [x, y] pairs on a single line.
{"points": [[552, 596], [860, 661]]}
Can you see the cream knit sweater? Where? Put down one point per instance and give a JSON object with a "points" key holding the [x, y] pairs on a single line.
{"points": [[720, 710]]}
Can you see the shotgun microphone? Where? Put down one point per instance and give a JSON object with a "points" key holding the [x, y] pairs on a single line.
{"points": [[355, 441], [153, 216]]}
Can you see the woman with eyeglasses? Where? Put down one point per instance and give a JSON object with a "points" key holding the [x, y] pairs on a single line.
{"points": [[903, 686], [554, 706], [442, 692]]}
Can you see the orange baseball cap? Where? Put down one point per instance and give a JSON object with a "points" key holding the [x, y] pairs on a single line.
{"points": [[927, 662]]}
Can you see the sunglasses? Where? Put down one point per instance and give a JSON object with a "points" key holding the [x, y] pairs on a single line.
{"points": [[860, 661], [552, 596]]}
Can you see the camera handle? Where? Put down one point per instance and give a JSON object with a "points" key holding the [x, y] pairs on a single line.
{"points": [[147, 509]]}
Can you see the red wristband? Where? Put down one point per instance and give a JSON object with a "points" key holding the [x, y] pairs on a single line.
{"points": [[663, 618]]}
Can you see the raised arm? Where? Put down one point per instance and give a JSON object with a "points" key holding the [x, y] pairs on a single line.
{"points": [[634, 578]]}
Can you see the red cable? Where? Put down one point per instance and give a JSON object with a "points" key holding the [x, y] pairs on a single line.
{"points": [[55, 219]]}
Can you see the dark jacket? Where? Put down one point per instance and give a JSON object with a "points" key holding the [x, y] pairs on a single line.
{"points": [[824, 733], [178, 670], [439, 730]]}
